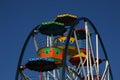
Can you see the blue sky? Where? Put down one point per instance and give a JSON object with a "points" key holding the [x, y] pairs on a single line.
{"points": [[19, 17]]}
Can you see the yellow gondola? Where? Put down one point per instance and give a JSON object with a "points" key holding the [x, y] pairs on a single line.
{"points": [[61, 41], [67, 19]]}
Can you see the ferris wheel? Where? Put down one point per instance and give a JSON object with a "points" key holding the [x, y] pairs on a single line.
{"points": [[67, 48]]}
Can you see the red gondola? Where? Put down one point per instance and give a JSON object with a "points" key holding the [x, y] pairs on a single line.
{"points": [[80, 33], [75, 60]]}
